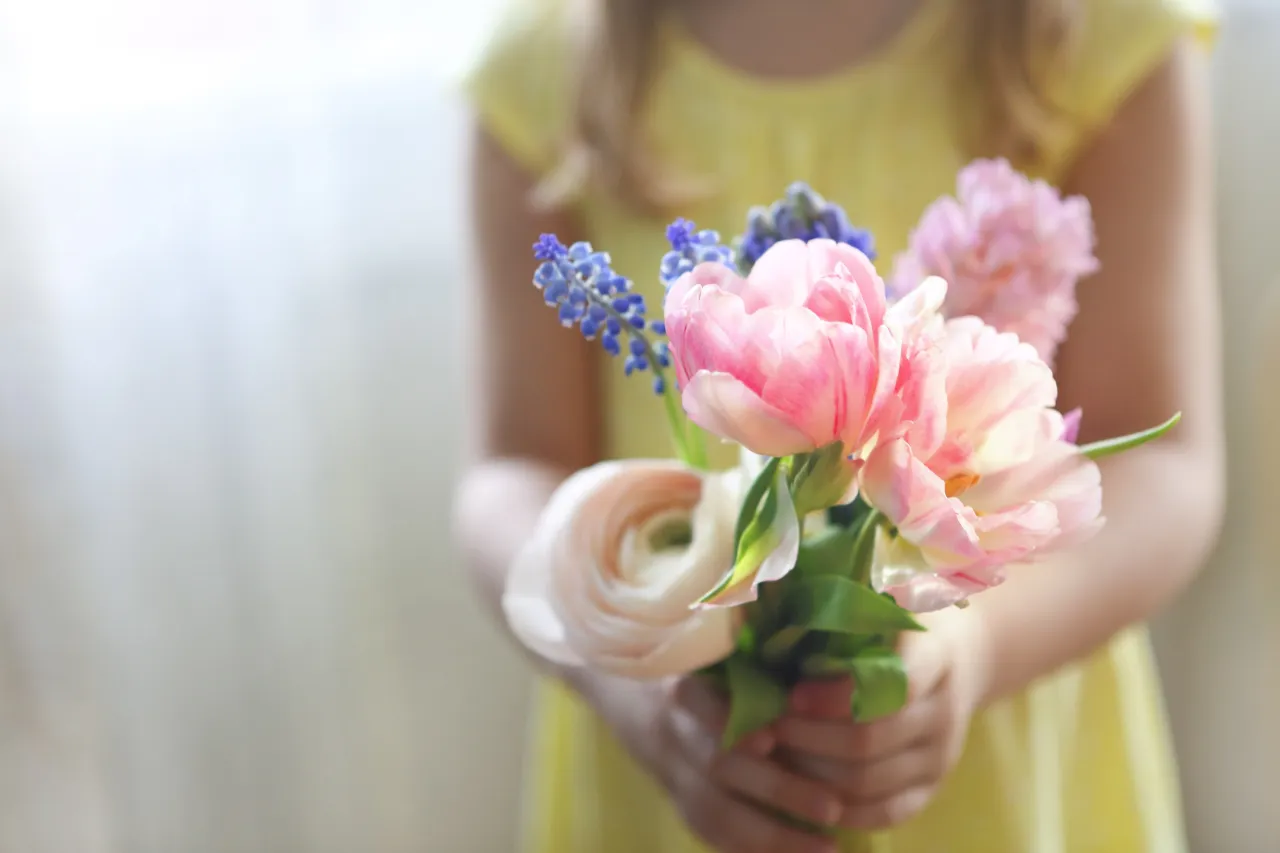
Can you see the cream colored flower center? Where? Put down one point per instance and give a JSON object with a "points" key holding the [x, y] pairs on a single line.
{"points": [[672, 533], [658, 549]]}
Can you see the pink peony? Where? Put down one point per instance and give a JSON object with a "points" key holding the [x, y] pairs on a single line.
{"points": [[805, 351], [1010, 249], [1004, 486]]}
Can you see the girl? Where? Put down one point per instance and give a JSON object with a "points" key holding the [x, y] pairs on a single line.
{"points": [[1035, 722]]}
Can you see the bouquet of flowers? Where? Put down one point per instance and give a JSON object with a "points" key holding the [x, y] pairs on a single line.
{"points": [[900, 445]]}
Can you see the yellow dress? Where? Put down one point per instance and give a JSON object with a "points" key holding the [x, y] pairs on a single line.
{"points": [[1082, 761]]}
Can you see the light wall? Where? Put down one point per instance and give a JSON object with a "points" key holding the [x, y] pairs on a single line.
{"points": [[1220, 646]]}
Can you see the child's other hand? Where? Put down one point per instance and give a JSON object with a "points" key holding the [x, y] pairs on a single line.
{"points": [[888, 770], [730, 798]]}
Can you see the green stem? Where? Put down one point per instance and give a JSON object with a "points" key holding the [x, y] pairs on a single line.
{"points": [[696, 440], [779, 647], [864, 546], [691, 449], [676, 420], [800, 467]]}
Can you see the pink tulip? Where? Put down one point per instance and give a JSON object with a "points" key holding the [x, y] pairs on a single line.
{"points": [[805, 351], [1004, 486], [621, 557], [1011, 250]]}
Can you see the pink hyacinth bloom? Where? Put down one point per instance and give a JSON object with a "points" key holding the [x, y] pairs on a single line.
{"points": [[1005, 485], [805, 351], [1011, 250], [1071, 425]]}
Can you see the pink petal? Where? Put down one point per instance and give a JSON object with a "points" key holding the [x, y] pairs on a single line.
{"points": [[1013, 250], [928, 593], [806, 387], [832, 299], [829, 259], [1071, 425], [914, 314], [702, 303], [781, 277], [1011, 535], [575, 595], [703, 275], [901, 570], [1057, 474], [915, 501], [911, 394], [721, 404], [884, 412], [858, 366], [536, 624], [714, 336], [990, 375], [701, 641]]}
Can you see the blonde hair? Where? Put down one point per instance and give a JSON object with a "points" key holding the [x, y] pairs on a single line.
{"points": [[1012, 46]]}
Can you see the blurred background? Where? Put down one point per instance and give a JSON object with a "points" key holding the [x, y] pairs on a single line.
{"points": [[230, 616]]}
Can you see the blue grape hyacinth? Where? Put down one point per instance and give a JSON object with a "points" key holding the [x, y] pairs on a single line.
{"points": [[801, 215], [581, 284], [690, 247]]}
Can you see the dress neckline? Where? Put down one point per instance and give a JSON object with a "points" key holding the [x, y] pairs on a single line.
{"points": [[710, 69]]}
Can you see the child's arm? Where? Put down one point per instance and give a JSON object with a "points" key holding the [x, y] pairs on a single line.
{"points": [[1145, 344], [534, 398]]}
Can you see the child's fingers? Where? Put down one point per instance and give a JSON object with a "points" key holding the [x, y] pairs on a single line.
{"points": [[848, 741], [823, 699], [701, 701], [733, 826], [888, 812], [769, 784], [867, 783], [747, 777]]}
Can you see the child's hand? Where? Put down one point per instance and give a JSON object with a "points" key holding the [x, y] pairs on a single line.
{"points": [[888, 770], [731, 799]]}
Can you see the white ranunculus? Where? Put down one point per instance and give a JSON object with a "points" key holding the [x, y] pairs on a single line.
{"points": [[621, 554]]}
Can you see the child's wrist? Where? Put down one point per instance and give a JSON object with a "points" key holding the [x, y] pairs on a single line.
{"points": [[967, 633], [581, 680], [979, 651]]}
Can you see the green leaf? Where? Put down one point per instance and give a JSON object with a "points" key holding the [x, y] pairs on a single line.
{"points": [[823, 478], [826, 553], [848, 645], [1112, 446], [879, 684], [850, 514], [763, 521], [774, 528], [778, 647], [760, 485], [833, 603], [826, 665], [843, 551], [756, 699], [864, 548]]}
